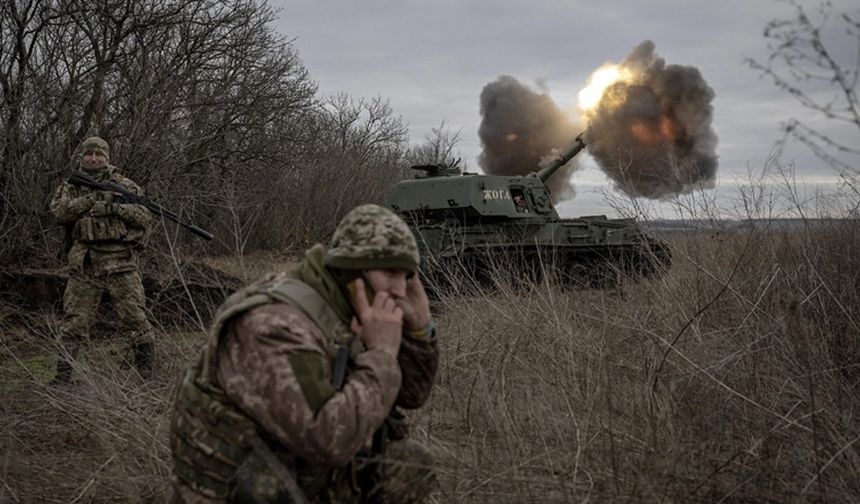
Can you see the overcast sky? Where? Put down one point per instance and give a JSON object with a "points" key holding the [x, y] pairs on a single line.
{"points": [[432, 58]]}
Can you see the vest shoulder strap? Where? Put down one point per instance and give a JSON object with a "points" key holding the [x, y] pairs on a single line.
{"points": [[280, 288], [306, 298]]}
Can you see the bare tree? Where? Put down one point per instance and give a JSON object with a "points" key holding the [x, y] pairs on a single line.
{"points": [[438, 147], [366, 130], [815, 57], [204, 105], [356, 158], [188, 92]]}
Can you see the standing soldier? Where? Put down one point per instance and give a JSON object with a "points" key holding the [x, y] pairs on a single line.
{"points": [[106, 238], [295, 396]]}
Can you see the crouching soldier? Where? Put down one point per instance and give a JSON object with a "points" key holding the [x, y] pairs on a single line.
{"points": [[295, 396]]}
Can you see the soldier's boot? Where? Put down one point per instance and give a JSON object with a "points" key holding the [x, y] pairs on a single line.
{"points": [[144, 357], [64, 373]]}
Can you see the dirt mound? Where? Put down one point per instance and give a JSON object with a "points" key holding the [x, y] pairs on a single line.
{"points": [[185, 295]]}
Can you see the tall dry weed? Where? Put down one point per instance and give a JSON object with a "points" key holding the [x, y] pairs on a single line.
{"points": [[102, 439], [732, 378]]}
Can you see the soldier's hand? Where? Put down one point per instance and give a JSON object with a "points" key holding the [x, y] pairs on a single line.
{"points": [[83, 203], [106, 196], [378, 325], [102, 209], [416, 305]]}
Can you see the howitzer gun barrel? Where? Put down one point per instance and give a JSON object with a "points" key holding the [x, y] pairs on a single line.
{"points": [[561, 159]]}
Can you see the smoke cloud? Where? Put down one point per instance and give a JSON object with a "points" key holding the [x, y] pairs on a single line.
{"points": [[518, 128], [652, 133]]}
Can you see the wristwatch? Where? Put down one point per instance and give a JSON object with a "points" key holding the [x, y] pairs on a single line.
{"points": [[426, 333]]}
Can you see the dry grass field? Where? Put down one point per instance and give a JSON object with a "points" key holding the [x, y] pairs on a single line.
{"points": [[732, 378]]}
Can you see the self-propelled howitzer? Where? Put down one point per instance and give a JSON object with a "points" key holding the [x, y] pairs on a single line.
{"points": [[480, 223]]}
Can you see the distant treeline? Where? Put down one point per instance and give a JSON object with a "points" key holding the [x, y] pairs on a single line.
{"points": [[710, 225], [204, 105]]}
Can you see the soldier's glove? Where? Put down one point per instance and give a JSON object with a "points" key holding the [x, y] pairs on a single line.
{"points": [[106, 196], [398, 425], [123, 211], [83, 204], [102, 209]]}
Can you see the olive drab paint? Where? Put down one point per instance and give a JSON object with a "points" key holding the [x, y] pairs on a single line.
{"points": [[469, 219]]}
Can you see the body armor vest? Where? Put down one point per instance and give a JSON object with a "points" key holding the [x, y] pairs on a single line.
{"points": [[100, 229], [107, 228], [212, 440]]}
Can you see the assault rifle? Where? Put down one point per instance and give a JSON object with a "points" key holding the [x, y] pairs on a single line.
{"points": [[81, 179]]}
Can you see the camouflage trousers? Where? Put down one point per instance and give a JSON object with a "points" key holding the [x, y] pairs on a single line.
{"points": [[81, 300], [405, 475]]}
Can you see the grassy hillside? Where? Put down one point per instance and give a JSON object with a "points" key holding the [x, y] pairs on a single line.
{"points": [[733, 378]]}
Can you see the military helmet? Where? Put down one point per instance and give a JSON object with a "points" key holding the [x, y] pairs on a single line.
{"points": [[95, 143], [372, 237]]}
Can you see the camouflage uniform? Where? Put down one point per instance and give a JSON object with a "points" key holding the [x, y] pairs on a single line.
{"points": [[107, 237], [262, 389]]}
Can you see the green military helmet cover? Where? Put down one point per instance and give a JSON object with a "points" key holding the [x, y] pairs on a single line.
{"points": [[95, 143], [373, 237]]}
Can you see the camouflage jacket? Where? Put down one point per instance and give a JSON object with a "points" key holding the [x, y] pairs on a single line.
{"points": [[274, 364], [101, 243], [329, 429]]}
